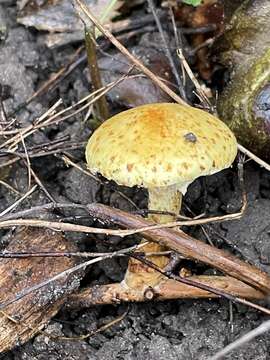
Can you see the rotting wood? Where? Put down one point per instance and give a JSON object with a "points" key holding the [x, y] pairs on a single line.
{"points": [[24, 318]]}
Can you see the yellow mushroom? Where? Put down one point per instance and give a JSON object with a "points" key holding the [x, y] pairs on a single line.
{"points": [[162, 147]]}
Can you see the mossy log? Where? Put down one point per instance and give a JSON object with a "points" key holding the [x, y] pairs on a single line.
{"points": [[245, 102]]}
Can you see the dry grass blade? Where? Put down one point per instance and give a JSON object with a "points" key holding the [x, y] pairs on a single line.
{"points": [[50, 117], [62, 226], [264, 327], [16, 203], [92, 333], [167, 50], [9, 187]]}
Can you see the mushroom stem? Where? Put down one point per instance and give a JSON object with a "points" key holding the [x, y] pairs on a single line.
{"points": [[139, 276]]}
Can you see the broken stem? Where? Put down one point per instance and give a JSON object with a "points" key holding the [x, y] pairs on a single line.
{"points": [[101, 103]]}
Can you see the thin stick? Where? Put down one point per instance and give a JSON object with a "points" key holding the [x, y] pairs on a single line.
{"points": [[16, 203], [25, 255], [188, 222], [9, 187], [3, 115], [178, 42], [254, 157], [40, 184], [261, 329], [122, 233], [174, 239], [27, 162], [49, 83], [85, 9], [23, 131], [203, 97], [92, 333], [55, 118]]}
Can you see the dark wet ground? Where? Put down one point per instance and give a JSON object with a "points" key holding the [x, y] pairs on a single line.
{"points": [[169, 330]]}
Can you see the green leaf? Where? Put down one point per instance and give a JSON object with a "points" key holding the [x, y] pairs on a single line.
{"points": [[192, 2]]}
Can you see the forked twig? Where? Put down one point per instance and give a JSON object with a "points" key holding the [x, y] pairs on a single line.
{"points": [[187, 246], [203, 286]]}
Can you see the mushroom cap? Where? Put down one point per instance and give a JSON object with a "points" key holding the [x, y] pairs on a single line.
{"points": [[158, 145]]}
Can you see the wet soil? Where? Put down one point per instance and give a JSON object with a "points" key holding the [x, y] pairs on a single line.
{"points": [[169, 330]]}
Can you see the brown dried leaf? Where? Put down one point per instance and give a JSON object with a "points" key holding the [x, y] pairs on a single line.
{"points": [[60, 16], [139, 90]]}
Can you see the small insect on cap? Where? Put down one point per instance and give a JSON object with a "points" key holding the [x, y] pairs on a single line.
{"points": [[159, 145]]}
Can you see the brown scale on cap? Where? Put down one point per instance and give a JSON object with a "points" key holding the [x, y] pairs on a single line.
{"points": [[162, 147]]}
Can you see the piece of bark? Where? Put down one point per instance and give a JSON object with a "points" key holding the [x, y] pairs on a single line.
{"points": [[33, 311], [187, 246], [167, 290]]}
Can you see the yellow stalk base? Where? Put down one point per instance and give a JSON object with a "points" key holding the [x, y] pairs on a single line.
{"points": [[140, 276]]}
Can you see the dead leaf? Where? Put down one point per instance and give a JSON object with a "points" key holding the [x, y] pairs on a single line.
{"points": [[139, 90], [59, 15]]}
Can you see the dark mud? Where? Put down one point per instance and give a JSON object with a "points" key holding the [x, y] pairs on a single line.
{"points": [[172, 330]]}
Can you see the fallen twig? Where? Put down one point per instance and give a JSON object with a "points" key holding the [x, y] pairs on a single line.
{"points": [[167, 290], [171, 238], [187, 246]]}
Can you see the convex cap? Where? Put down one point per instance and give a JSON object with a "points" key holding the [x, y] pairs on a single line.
{"points": [[160, 145]]}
